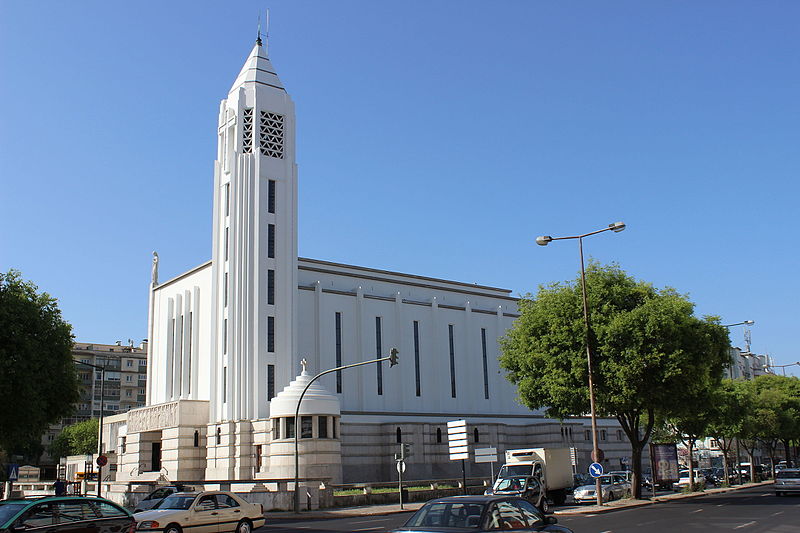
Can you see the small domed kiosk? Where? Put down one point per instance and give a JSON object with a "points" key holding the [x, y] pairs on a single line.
{"points": [[320, 450]]}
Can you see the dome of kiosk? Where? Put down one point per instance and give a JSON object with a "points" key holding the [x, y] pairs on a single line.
{"points": [[317, 400]]}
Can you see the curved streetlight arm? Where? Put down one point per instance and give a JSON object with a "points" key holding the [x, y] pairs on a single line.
{"points": [[392, 358], [744, 323]]}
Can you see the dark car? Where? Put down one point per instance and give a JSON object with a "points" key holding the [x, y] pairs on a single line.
{"points": [[152, 499], [64, 514], [480, 513]]}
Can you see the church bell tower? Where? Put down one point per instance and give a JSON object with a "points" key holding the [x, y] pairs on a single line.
{"points": [[254, 272]]}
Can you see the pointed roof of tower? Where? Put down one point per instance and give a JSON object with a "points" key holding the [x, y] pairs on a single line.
{"points": [[257, 70]]}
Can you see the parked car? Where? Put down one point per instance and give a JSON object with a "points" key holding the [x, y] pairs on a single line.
{"points": [[152, 499], [479, 513], [64, 514], [613, 486], [201, 512], [787, 481], [683, 480]]}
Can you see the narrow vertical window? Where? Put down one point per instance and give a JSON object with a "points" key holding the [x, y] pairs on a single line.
{"points": [[378, 352], [485, 365], [416, 357], [227, 199], [270, 333], [271, 241], [452, 362], [398, 435], [225, 336], [189, 352], [219, 435], [476, 436], [322, 429], [289, 427], [306, 427], [224, 386], [226, 244], [271, 197], [247, 131], [270, 287], [196, 439], [339, 352], [225, 290], [270, 382], [438, 435]]}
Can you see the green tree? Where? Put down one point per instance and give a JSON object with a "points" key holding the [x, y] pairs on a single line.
{"points": [[729, 414], [38, 382], [77, 439], [650, 352]]}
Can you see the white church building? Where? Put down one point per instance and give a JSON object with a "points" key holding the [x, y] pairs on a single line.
{"points": [[227, 337]]}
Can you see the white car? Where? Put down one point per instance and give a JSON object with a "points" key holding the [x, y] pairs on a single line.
{"points": [[613, 487], [201, 512], [699, 478]]}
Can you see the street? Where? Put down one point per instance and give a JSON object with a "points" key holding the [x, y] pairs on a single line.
{"points": [[755, 510]]}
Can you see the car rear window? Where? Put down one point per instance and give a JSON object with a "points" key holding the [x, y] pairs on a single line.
{"points": [[109, 510], [788, 475], [446, 514]]}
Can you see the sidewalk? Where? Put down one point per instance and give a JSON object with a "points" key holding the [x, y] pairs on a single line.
{"points": [[617, 505]]}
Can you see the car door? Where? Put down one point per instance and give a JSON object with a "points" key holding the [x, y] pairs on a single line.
{"points": [[203, 516], [230, 512], [76, 516], [39, 518]]}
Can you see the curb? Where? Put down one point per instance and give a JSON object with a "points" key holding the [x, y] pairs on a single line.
{"points": [[632, 504], [377, 510]]}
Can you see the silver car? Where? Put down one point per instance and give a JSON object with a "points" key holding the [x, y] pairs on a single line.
{"points": [[787, 481], [613, 486]]}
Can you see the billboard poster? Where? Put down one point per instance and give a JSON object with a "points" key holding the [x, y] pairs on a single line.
{"points": [[665, 462]]}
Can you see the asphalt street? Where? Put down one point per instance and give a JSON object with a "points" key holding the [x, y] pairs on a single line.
{"points": [[755, 510]]}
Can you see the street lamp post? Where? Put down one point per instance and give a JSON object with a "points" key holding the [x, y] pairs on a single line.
{"points": [[738, 450], [100, 422], [544, 240], [393, 360]]}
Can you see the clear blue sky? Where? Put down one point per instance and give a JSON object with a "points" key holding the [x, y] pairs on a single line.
{"points": [[434, 138]]}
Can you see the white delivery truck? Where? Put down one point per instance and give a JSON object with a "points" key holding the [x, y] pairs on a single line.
{"points": [[551, 468]]}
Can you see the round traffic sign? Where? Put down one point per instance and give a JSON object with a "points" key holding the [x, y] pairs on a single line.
{"points": [[401, 467], [102, 460], [595, 470]]}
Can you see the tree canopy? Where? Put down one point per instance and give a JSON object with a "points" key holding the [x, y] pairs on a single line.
{"points": [[38, 381], [77, 439], [652, 355]]}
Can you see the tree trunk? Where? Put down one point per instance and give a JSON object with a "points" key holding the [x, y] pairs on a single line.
{"points": [[750, 456], [787, 452], [690, 446], [636, 479]]}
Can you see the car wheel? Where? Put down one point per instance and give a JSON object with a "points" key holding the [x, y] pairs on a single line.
{"points": [[173, 528], [244, 527], [544, 506]]}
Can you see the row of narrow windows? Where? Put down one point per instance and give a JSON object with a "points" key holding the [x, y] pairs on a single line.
{"points": [[182, 353], [283, 427], [417, 363], [476, 435]]}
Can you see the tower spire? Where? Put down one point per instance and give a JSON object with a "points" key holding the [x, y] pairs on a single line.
{"points": [[258, 39]]}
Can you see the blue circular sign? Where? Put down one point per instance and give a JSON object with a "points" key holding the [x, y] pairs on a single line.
{"points": [[595, 470]]}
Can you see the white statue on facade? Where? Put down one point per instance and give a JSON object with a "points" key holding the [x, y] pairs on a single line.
{"points": [[155, 269]]}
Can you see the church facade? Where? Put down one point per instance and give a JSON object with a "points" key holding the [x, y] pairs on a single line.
{"points": [[227, 339]]}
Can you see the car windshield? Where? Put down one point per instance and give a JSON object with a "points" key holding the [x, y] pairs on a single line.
{"points": [[9, 509], [448, 514], [515, 470], [511, 483], [792, 474], [176, 501]]}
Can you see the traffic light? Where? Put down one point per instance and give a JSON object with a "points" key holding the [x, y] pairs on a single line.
{"points": [[405, 450], [393, 357]]}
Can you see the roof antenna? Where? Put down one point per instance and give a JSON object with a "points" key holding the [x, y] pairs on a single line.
{"points": [[258, 39], [266, 33]]}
